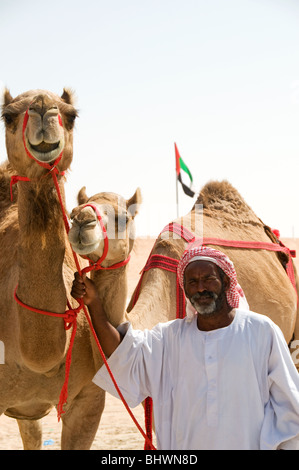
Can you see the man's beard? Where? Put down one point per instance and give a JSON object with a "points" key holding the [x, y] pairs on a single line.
{"points": [[211, 308]]}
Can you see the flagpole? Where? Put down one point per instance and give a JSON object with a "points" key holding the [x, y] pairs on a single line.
{"points": [[177, 195], [177, 185]]}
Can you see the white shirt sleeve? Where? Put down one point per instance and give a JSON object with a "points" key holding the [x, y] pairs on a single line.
{"points": [[281, 423], [136, 364]]}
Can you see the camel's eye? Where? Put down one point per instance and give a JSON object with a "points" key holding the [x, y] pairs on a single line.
{"points": [[69, 119], [8, 118]]}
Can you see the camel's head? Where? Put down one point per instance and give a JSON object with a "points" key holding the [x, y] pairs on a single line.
{"points": [[41, 122], [117, 214]]}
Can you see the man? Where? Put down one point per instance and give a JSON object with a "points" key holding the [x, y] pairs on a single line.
{"points": [[220, 379]]}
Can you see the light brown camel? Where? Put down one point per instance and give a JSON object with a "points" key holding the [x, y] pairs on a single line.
{"points": [[86, 237], [221, 212], [36, 257]]}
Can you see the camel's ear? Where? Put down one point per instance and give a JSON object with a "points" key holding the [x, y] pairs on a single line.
{"points": [[7, 98], [82, 196], [68, 96], [134, 203]]}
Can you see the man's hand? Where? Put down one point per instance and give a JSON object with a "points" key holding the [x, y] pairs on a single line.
{"points": [[84, 288], [108, 336]]}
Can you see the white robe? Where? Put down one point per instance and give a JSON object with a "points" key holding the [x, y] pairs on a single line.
{"points": [[233, 388]]}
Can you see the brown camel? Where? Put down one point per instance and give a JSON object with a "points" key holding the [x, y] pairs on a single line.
{"points": [[221, 212], [36, 257], [86, 237]]}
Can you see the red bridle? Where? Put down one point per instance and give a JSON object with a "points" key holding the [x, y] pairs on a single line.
{"points": [[95, 266], [49, 166], [52, 167], [70, 316]]}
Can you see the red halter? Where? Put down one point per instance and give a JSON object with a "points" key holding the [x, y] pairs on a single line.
{"points": [[70, 316], [95, 266], [49, 166], [44, 164]]}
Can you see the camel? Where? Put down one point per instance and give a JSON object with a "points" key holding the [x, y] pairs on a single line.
{"points": [[37, 258], [86, 238], [221, 212]]}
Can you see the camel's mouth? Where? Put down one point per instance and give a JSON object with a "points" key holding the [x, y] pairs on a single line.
{"points": [[44, 147], [44, 151], [86, 237], [85, 250]]}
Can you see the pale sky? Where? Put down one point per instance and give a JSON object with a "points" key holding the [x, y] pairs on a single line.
{"points": [[218, 77]]}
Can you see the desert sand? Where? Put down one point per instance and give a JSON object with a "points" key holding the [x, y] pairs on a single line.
{"points": [[117, 431]]}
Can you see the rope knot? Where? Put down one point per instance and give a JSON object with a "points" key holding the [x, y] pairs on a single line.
{"points": [[70, 316], [69, 319], [56, 171]]}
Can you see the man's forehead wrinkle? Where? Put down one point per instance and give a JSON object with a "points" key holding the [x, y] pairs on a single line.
{"points": [[201, 266]]}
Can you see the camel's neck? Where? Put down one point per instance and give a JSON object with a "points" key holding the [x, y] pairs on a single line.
{"points": [[156, 301], [40, 284], [113, 290]]}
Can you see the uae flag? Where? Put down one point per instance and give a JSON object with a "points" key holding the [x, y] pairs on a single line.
{"points": [[181, 165]]}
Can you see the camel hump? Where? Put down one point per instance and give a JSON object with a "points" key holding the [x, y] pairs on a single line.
{"points": [[220, 197], [215, 192]]}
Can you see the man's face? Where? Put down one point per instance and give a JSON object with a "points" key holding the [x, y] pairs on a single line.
{"points": [[204, 287]]}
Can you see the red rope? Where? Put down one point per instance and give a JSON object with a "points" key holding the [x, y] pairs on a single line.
{"points": [[105, 251], [115, 384], [168, 264], [70, 316], [95, 266], [258, 246], [63, 396], [14, 179], [70, 319], [179, 230]]}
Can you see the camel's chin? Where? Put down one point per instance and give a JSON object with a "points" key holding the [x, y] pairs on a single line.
{"points": [[46, 153], [85, 250]]}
